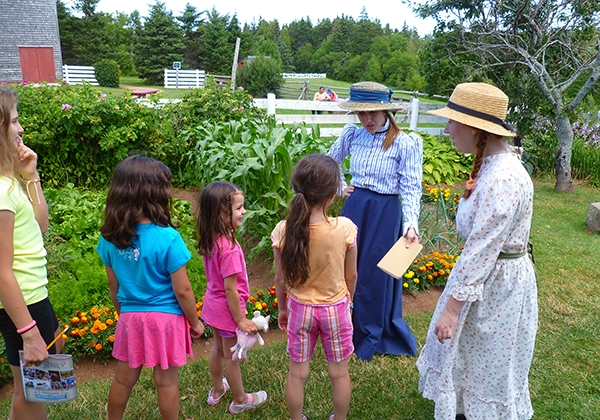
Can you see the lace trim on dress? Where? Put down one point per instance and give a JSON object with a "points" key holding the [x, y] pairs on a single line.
{"points": [[467, 293]]}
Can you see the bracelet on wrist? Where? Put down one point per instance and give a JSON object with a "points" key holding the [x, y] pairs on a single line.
{"points": [[35, 183], [26, 327]]}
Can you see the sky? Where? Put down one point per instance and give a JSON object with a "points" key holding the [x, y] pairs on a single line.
{"points": [[393, 12]]}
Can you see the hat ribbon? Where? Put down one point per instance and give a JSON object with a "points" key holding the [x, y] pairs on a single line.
{"points": [[370, 96], [480, 115]]}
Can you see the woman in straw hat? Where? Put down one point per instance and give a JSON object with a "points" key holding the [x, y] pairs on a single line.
{"points": [[479, 346], [384, 162]]}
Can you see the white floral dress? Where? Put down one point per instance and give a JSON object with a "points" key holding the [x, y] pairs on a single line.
{"points": [[482, 371]]}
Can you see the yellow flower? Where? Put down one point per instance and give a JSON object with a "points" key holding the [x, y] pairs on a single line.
{"points": [[416, 281], [405, 285], [409, 274], [258, 305]]}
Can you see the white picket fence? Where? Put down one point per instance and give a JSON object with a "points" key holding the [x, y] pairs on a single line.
{"points": [[412, 112], [184, 78], [77, 75], [304, 75]]}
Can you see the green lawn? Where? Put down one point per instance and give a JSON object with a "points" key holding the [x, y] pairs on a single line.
{"points": [[565, 376]]}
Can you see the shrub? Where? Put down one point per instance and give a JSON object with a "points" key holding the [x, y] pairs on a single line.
{"points": [[261, 76], [80, 134], [107, 73]]}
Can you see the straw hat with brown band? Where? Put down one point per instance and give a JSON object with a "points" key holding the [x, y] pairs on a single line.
{"points": [[370, 96], [478, 105]]}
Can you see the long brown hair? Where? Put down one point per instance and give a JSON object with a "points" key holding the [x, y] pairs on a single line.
{"points": [[213, 202], [482, 139], [141, 187], [392, 132], [8, 149], [315, 180]]}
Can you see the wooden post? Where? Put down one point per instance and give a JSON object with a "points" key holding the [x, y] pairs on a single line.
{"points": [[235, 61]]}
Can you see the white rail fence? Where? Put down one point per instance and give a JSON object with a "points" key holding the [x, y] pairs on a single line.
{"points": [[77, 75], [412, 112], [175, 79], [304, 75]]}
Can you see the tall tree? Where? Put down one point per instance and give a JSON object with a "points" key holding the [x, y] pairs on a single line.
{"points": [[159, 43], [219, 50], [555, 41], [189, 22]]}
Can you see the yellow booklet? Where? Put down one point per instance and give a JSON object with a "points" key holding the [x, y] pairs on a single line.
{"points": [[399, 258]]}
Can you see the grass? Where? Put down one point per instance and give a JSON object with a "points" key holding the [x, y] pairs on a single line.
{"points": [[565, 375]]}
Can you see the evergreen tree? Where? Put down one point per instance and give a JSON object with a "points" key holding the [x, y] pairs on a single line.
{"points": [[159, 44], [190, 23], [219, 50]]}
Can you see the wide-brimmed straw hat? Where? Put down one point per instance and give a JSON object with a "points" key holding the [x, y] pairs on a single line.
{"points": [[370, 96], [478, 105]]}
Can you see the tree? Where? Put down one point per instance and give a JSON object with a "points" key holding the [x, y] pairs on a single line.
{"points": [[189, 22], [554, 41], [218, 55], [260, 76], [158, 44]]}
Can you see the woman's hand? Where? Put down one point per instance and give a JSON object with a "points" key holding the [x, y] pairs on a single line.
{"points": [[411, 236], [347, 191], [446, 325]]}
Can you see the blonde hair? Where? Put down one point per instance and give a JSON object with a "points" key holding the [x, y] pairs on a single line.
{"points": [[8, 149]]}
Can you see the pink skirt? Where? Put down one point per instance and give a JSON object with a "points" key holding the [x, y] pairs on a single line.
{"points": [[152, 339]]}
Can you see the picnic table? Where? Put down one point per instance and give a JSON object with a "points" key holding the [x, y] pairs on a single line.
{"points": [[143, 93]]}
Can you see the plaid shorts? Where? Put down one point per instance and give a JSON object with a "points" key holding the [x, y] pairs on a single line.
{"points": [[332, 322]]}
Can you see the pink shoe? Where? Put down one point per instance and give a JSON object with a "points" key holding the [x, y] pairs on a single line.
{"points": [[214, 401], [240, 408]]}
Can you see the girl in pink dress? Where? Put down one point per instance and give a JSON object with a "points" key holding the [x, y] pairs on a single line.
{"points": [[219, 211]]}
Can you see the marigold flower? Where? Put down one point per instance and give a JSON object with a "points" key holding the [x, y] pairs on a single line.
{"points": [[275, 305], [94, 330], [96, 315], [75, 320], [109, 321], [258, 305], [98, 347], [103, 327], [92, 344], [93, 310], [264, 305], [106, 309], [405, 285], [111, 338], [273, 293], [259, 293], [64, 337]]}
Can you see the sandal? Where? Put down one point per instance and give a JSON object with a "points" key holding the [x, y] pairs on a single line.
{"points": [[240, 408], [214, 401], [304, 417], [331, 417]]}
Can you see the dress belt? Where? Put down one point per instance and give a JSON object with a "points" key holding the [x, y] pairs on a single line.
{"points": [[506, 256]]}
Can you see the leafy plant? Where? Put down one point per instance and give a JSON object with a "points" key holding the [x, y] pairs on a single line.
{"points": [[107, 73], [259, 158], [442, 164]]}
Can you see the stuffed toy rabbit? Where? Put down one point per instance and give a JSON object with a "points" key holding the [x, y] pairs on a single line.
{"points": [[246, 341]]}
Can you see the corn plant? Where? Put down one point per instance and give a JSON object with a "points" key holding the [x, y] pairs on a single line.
{"points": [[258, 157]]}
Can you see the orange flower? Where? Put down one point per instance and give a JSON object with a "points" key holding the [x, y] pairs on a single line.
{"points": [[259, 293], [94, 330], [110, 321], [264, 305], [96, 315], [75, 320], [98, 346], [106, 309], [111, 338], [103, 327], [92, 344]]}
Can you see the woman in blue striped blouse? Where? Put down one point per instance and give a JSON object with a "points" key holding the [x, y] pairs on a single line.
{"points": [[385, 163]]}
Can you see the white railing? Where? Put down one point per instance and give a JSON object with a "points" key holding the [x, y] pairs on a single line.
{"points": [[412, 112], [77, 75], [175, 79], [304, 75]]}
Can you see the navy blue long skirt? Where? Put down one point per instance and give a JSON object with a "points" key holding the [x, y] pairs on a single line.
{"points": [[378, 324]]}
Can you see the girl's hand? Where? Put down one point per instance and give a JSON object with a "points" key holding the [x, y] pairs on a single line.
{"points": [[26, 164], [248, 326], [347, 191], [34, 347], [446, 325], [282, 320], [197, 329]]}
